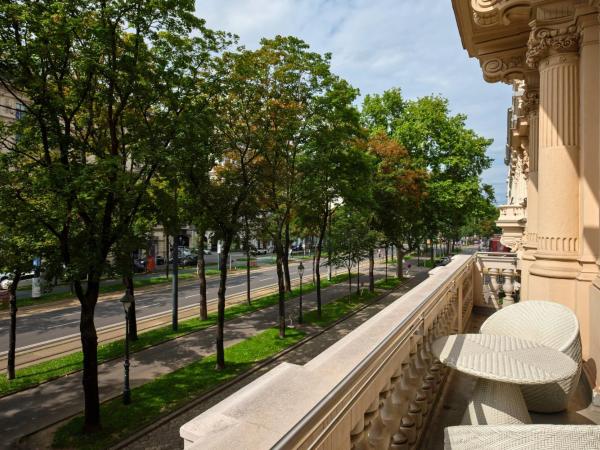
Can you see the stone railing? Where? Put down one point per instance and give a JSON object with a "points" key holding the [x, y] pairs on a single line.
{"points": [[496, 277], [373, 389]]}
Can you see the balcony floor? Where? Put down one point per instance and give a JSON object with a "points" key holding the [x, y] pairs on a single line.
{"points": [[459, 389]]}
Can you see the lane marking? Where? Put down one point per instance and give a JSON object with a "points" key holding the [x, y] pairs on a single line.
{"points": [[62, 324]]}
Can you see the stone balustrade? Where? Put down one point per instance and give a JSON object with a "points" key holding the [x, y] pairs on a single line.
{"points": [[373, 389], [496, 280]]}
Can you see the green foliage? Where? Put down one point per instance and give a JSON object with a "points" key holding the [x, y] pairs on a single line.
{"points": [[351, 237]]}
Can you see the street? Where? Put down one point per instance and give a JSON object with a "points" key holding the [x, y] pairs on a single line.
{"points": [[45, 326]]}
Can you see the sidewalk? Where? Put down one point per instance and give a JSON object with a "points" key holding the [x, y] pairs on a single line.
{"points": [[33, 409]]}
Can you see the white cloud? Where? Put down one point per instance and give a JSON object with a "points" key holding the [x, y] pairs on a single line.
{"points": [[378, 44]]}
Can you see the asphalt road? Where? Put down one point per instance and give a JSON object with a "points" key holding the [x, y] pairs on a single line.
{"points": [[45, 326]]}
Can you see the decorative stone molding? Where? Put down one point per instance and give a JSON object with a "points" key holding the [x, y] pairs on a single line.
{"points": [[512, 220], [503, 67], [531, 101], [545, 41], [488, 13]]}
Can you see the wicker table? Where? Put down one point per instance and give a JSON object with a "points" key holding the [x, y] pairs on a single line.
{"points": [[502, 363]]}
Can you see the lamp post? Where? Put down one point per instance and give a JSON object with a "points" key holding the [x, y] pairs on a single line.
{"points": [[300, 274], [126, 300]]}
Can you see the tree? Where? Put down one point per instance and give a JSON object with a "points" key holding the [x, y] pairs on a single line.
{"points": [[301, 109], [84, 72], [453, 156], [239, 134], [351, 241], [399, 192], [20, 244]]}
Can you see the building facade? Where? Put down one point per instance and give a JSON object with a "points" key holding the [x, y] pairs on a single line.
{"points": [[549, 50]]}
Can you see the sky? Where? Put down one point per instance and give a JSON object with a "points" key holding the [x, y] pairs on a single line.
{"points": [[380, 44]]}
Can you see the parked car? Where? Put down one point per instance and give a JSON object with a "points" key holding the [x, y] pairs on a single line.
{"points": [[6, 279], [189, 260], [139, 265], [259, 251], [445, 260], [160, 260], [297, 247]]}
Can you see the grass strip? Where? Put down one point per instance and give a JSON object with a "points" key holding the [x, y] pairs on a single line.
{"points": [[64, 365], [168, 392], [390, 283], [172, 390]]}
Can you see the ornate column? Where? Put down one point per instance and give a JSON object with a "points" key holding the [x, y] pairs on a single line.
{"points": [[589, 211], [553, 49], [531, 104]]}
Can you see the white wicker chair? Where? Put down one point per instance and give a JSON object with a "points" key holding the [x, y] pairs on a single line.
{"points": [[522, 437], [550, 324]]}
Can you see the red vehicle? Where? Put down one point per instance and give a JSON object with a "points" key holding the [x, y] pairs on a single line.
{"points": [[497, 246]]}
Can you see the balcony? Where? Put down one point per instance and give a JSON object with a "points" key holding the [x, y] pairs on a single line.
{"points": [[380, 386]]}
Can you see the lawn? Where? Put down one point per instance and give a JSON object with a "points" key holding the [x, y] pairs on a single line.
{"points": [[390, 283], [171, 391], [48, 370]]}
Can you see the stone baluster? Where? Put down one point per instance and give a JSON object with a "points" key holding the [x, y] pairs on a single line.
{"points": [[359, 435], [380, 433], [508, 287]]}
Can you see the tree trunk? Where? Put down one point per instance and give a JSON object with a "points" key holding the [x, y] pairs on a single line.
{"points": [[12, 338], [372, 270], [432, 254], [167, 257], [201, 267], [89, 346], [248, 300], [349, 282], [317, 268], [280, 282], [329, 249], [358, 277], [313, 268], [221, 302], [286, 266], [399, 263], [129, 289], [386, 262]]}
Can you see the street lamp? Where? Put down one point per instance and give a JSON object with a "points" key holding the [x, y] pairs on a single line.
{"points": [[300, 274], [127, 301]]}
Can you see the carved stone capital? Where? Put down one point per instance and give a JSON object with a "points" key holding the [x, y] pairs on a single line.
{"points": [[531, 101], [545, 41]]}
